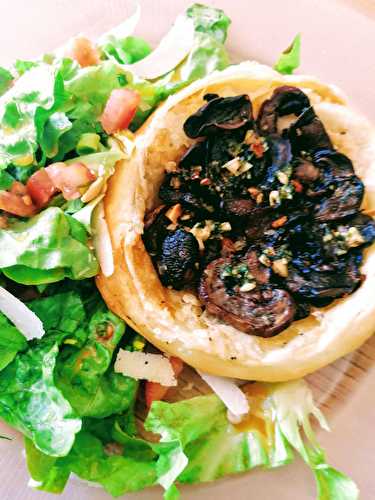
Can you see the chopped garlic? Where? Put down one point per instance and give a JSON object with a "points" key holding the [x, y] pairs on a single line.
{"points": [[225, 226], [327, 237], [274, 198], [283, 178], [280, 267], [233, 165], [264, 260], [251, 137], [237, 167], [203, 233], [247, 287], [353, 237]]}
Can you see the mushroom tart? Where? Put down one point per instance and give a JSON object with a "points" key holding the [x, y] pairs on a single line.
{"points": [[242, 226]]}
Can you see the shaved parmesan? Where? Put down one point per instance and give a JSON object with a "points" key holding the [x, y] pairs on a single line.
{"points": [[102, 241], [144, 366], [230, 394], [172, 49], [20, 315]]}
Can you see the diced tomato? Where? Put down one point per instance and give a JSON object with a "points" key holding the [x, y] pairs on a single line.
{"points": [[83, 51], [70, 178], [155, 391], [17, 204], [177, 365], [119, 110], [18, 188], [41, 188]]}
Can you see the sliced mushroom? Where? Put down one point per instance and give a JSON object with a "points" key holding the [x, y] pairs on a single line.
{"points": [[306, 172], [259, 223], [178, 259], [333, 164], [195, 155], [285, 100], [308, 133], [264, 311], [324, 280], [220, 113], [344, 201], [155, 229], [235, 208]]}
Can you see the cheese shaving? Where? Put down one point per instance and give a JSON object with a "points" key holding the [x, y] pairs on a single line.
{"points": [[145, 366]]}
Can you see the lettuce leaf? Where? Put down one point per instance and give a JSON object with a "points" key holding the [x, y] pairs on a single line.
{"points": [[86, 375], [92, 461], [63, 315], [126, 50], [11, 342], [46, 248], [18, 133], [198, 443], [6, 79], [289, 60], [208, 53], [31, 402], [22, 65], [209, 20], [44, 122]]}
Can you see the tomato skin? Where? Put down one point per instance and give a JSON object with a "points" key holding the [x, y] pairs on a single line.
{"points": [[69, 178], [83, 51], [155, 391], [17, 204], [40, 188], [119, 110]]}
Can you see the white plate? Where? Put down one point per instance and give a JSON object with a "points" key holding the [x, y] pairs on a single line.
{"points": [[338, 40]]}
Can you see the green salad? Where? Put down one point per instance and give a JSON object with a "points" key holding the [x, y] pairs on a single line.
{"points": [[63, 127]]}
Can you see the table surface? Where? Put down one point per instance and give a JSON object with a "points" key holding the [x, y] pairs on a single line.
{"points": [[338, 40]]}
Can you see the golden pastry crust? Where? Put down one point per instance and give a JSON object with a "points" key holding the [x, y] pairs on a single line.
{"points": [[174, 320]]}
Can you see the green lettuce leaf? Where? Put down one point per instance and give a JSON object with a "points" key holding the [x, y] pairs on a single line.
{"points": [[208, 53], [289, 60], [6, 180], [31, 403], [126, 50], [36, 93], [117, 470], [86, 375], [46, 248], [198, 443], [63, 315], [11, 342], [6, 79], [46, 471], [42, 122], [21, 66], [210, 21]]}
